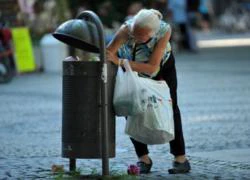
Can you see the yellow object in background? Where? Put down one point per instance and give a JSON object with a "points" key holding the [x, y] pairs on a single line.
{"points": [[25, 61]]}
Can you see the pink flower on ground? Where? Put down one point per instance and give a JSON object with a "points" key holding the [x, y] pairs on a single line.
{"points": [[133, 169]]}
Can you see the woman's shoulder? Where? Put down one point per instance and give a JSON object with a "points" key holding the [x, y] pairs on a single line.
{"points": [[164, 24], [128, 25], [123, 32], [129, 21], [164, 27]]}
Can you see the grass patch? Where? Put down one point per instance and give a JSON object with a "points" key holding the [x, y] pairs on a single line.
{"points": [[114, 175]]}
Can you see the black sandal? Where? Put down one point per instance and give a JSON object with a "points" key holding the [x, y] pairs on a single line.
{"points": [[144, 168], [180, 168]]}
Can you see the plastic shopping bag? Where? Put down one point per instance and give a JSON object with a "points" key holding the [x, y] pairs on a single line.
{"points": [[155, 125], [128, 93]]}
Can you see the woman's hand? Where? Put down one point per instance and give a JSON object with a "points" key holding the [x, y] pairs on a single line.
{"points": [[112, 57]]}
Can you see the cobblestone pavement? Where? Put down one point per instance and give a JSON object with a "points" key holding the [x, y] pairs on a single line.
{"points": [[214, 91]]}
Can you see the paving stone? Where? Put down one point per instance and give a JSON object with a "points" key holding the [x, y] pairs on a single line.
{"points": [[214, 91]]}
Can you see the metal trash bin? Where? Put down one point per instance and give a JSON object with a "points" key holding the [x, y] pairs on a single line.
{"points": [[81, 121], [88, 118]]}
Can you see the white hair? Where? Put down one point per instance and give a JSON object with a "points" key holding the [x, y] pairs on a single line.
{"points": [[148, 18]]}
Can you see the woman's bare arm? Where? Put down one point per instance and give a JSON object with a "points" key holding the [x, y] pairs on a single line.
{"points": [[120, 38], [154, 60]]}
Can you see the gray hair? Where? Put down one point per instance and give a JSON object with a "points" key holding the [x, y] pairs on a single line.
{"points": [[148, 18]]}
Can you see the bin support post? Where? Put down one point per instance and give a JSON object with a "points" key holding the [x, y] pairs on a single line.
{"points": [[104, 90], [72, 164]]}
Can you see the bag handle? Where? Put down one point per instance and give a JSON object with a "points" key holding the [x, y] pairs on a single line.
{"points": [[127, 65], [134, 52]]}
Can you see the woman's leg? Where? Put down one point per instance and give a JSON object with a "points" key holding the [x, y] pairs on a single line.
{"points": [[177, 146], [168, 73], [142, 152], [141, 149], [144, 163]]}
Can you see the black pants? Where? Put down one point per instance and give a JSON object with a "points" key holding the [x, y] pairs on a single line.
{"points": [[177, 146]]}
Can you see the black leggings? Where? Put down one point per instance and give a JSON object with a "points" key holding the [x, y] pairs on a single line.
{"points": [[177, 146]]}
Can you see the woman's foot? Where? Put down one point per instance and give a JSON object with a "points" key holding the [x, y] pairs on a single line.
{"points": [[180, 168], [180, 165], [145, 158], [145, 164], [180, 159]]}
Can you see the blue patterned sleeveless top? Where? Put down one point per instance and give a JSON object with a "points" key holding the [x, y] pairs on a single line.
{"points": [[144, 50]]}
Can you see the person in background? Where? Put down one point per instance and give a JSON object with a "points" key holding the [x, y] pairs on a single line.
{"points": [[133, 9], [193, 12], [40, 23], [5, 43], [109, 17], [177, 13], [7, 63], [144, 41], [160, 5], [205, 10]]}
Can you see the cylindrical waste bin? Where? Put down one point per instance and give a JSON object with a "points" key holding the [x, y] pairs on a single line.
{"points": [[81, 122]]}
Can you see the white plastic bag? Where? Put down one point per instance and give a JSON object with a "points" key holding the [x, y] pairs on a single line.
{"points": [[128, 93], [155, 125]]}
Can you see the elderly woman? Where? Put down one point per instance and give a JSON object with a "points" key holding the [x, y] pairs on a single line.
{"points": [[144, 41]]}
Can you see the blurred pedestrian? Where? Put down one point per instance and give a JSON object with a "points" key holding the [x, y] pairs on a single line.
{"points": [[41, 22], [205, 10], [109, 17], [133, 9], [160, 5], [144, 41], [193, 12], [7, 63], [177, 12]]}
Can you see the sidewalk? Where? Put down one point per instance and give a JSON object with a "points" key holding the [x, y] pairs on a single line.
{"points": [[231, 155], [209, 165], [219, 164], [213, 89], [216, 39]]}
